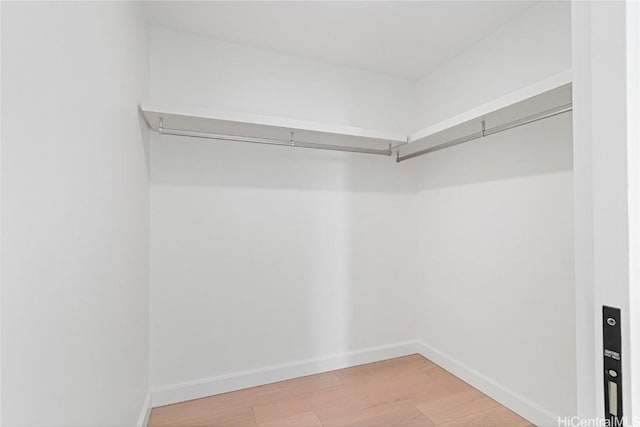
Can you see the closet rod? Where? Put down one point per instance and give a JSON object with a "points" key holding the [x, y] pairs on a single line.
{"points": [[268, 141], [486, 132]]}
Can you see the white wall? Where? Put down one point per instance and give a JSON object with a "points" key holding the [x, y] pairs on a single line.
{"points": [[74, 214], [496, 218], [263, 256], [478, 228], [496, 259], [252, 245], [528, 49], [267, 255], [199, 71]]}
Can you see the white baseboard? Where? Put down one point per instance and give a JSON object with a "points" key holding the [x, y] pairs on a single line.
{"points": [[181, 392], [514, 401], [145, 412]]}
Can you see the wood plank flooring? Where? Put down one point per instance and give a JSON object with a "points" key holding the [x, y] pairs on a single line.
{"points": [[406, 391]]}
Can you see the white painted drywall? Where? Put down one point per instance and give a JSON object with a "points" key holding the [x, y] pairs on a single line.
{"points": [[528, 49], [405, 39], [74, 214], [254, 245], [496, 258], [263, 255], [496, 221], [198, 71], [269, 255]]}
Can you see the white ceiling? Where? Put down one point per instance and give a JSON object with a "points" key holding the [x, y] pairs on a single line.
{"points": [[404, 39]]}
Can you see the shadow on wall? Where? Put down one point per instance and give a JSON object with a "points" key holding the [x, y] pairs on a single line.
{"points": [[535, 149], [197, 162], [496, 259], [145, 139], [269, 255]]}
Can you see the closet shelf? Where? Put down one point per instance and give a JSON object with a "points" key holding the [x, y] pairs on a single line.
{"points": [[202, 123], [541, 100], [544, 99]]}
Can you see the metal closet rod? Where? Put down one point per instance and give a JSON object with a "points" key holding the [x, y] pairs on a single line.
{"points": [[269, 141], [486, 132], [383, 152]]}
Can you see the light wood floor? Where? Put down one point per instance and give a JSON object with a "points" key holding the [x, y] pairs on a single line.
{"points": [[406, 391]]}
